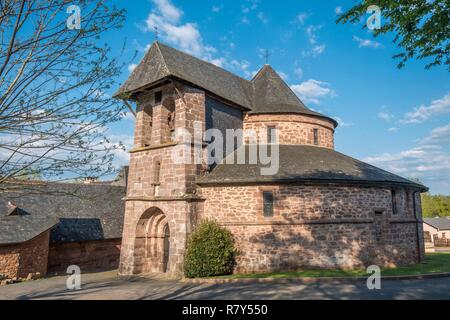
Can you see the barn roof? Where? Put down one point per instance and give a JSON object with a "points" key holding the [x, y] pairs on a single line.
{"points": [[301, 163], [81, 212], [265, 93], [438, 223]]}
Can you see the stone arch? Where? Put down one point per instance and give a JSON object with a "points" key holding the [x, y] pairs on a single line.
{"points": [[152, 242]]}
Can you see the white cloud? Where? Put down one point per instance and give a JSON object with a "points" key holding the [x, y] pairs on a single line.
{"points": [[245, 20], [423, 162], [283, 75], [338, 10], [429, 161], [311, 33], [423, 113], [262, 17], [298, 72], [342, 123], [121, 145], [438, 136], [385, 116], [393, 129], [313, 90], [185, 36], [316, 48], [216, 8], [301, 17], [131, 67], [168, 10], [367, 43]]}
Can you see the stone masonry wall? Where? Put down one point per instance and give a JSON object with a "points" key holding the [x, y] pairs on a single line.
{"points": [[19, 260], [88, 255], [315, 226], [292, 129], [170, 188]]}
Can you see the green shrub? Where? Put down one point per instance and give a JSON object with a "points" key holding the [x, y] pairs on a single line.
{"points": [[210, 251]]}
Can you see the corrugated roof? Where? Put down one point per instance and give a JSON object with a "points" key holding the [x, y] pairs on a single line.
{"points": [[438, 223], [300, 163], [85, 211]]}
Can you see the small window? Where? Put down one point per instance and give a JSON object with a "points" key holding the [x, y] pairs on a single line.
{"points": [[394, 202], [268, 204], [157, 172], [378, 212], [316, 136], [444, 235], [271, 135], [158, 97]]}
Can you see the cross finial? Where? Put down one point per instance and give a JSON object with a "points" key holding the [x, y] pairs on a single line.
{"points": [[266, 56], [156, 32]]}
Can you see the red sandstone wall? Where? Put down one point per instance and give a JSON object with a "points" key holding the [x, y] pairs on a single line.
{"points": [[89, 255], [292, 129], [314, 226], [176, 182], [19, 260]]}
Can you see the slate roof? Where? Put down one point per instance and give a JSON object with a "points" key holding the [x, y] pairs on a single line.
{"points": [[20, 228], [265, 93], [272, 95], [301, 163], [438, 223], [162, 62], [84, 211]]}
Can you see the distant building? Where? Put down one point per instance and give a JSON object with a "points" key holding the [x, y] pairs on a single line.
{"points": [[46, 227], [438, 228]]}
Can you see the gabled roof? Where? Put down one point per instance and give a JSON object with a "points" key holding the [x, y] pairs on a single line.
{"points": [[84, 211], [17, 226], [162, 62], [265, 93], [301, 163], [438, 223]]}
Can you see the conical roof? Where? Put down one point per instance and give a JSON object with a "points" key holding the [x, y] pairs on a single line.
{"points": [[272, 95]]}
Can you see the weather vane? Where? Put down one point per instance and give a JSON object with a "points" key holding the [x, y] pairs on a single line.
{"points": [[266, 56], [156, 32]]}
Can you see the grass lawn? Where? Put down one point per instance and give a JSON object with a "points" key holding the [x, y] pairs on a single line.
{"points": [[434, 263]]}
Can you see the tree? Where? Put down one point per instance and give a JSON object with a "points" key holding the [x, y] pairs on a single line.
{"points": [[435, 205], [53, 82], [421, 27]]}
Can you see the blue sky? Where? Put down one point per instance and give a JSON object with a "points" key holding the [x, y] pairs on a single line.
{"points": [[398, 120]]}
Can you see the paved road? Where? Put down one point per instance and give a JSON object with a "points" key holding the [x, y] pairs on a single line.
{"points": [[107, 286]]}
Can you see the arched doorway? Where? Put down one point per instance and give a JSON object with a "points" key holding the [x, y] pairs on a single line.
{"points": [[152, 243]]}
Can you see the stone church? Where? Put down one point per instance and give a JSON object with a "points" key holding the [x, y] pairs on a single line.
{"points": [[320, 209]]}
